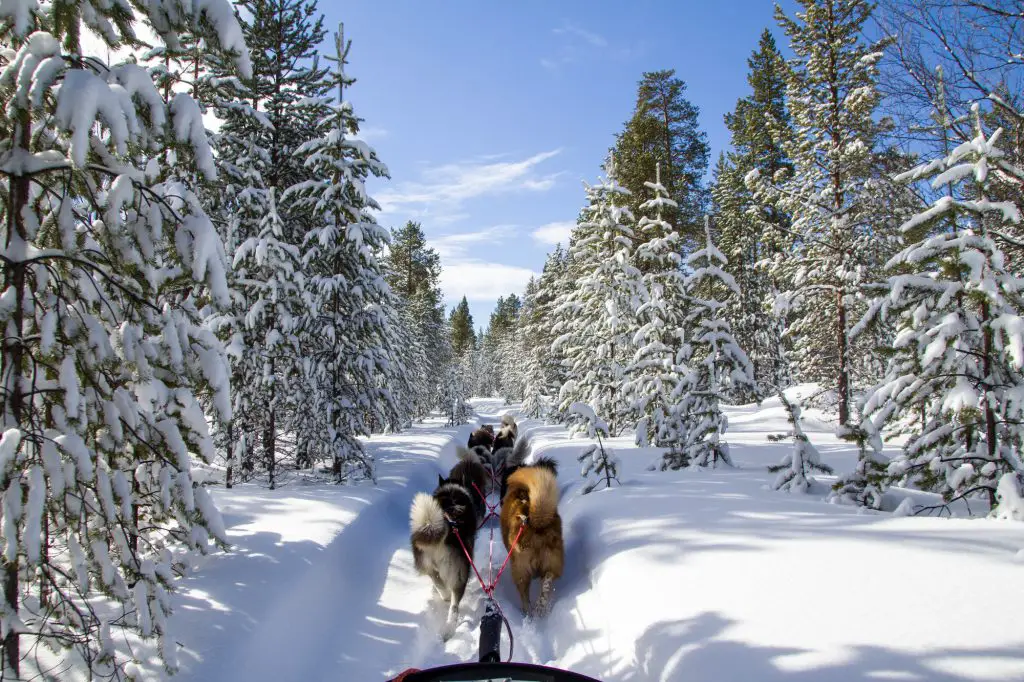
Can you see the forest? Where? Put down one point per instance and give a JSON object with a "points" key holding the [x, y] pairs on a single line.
{"points": [[189, 306]]}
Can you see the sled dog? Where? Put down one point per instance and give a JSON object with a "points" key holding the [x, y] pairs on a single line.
{"points": [[472, 475], [531, 505], [483, 436], [436, 550]]}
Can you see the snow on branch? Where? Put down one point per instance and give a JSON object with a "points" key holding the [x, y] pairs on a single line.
{"points": [[795, 468]]}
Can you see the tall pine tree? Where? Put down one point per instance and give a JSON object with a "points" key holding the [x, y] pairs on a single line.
{"points": [[957, 360], [596, 318], [832, 98], [759, 127], [664, 130], [717, 364], [650, 390], [461, 322], [109, 260], [344, 337]]}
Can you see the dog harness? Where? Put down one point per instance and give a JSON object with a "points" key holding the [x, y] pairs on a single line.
{"points": [[490, 585]]}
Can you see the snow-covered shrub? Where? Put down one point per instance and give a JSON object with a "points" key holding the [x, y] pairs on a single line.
{"points": [[794, 471]]}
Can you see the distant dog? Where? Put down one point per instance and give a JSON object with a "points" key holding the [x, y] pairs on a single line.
{"points": [[508, 421], [436, 550], [531, 505], [472, 475], [505, 438], [483, 436]]}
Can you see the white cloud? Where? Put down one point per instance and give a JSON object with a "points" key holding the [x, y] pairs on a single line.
{"points": [[595, 39], [554, 233], [451, 184], [482, 281], [370, 133], [578, 45], [456, 247]]}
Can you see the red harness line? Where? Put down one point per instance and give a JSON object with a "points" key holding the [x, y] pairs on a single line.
{"points": [[489, 586]]}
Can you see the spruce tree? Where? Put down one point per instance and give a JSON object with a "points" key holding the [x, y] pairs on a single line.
{"points": [[597, 316], [797, 466], [263, 228], [751, 239], [109, 261], [955, 370], [653, 376], [664, 130], [413, 269], [463, 336], [717, 364], [531, 341], [344, 336], [832, 97]]}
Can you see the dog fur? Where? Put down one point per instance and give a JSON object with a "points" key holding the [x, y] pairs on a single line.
{"points": [[483, 436], [436, 550], [531, 503], [507, 459], [510, 422], [471, 474], [505, 438]]}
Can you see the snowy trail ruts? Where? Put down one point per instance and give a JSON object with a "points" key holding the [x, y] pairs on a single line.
{"points": [[310, 628]]}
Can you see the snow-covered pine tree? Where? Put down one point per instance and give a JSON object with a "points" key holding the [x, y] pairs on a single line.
{"points": [[751, 239], [717, 364], [795, 469], [956, 364], [531, 337], [652, 378], [596, 318], [263, 229], [596, 460], [344, 336], [412, 269], [832, 96], [552, 286], [108, 256], [264, 322], [453, 389], [865, 485]]}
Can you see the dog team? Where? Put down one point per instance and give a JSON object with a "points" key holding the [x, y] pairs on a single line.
{"points": [[529, 510]]}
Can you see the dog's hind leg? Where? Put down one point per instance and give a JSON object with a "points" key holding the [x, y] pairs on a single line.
{"points": [[439, 586], [458, 590], [521, 579], [544, 600]]}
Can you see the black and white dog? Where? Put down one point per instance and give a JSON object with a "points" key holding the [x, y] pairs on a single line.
{"points": [[434, 520]]}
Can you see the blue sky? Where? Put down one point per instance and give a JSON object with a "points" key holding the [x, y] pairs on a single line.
{"points": [[490, 115]]}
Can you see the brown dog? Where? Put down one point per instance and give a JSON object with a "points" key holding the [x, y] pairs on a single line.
{"points": [[531, 504], [483, 436]]}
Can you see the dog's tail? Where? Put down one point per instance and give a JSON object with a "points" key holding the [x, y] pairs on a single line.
{"points": [[541, 487], [426, 520], [547, 463], [520, 451]]}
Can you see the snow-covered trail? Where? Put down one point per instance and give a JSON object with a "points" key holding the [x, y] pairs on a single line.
{"points": [[691, 576], [320, 585]]}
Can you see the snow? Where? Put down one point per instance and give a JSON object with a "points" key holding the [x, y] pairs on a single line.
{"points": [[671, 576]]}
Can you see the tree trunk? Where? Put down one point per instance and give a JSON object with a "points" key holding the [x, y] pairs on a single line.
{"points": [[13, 355], [269, 433], [844, 370], [231, 453], [987, 383]]}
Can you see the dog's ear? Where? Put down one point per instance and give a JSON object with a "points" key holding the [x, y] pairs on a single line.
{"points": [[440, 480]]}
